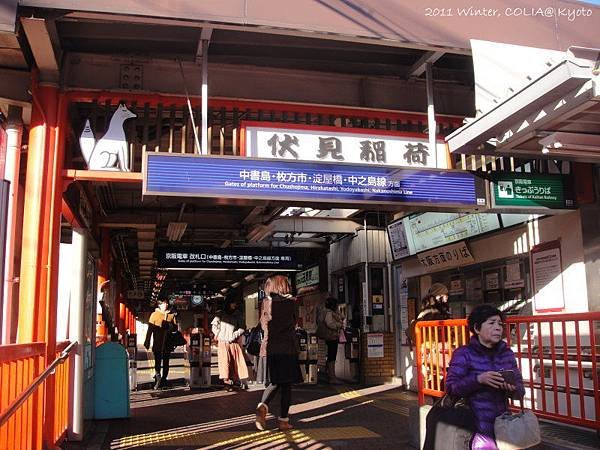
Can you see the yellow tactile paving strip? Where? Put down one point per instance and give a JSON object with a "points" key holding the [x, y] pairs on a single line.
{"points": [[217, 439], [382, 401]]}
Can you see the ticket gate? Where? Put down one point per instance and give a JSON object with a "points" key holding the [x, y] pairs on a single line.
{"points": [[132, 356], [302, 337], [352, 351], [313, 352], [307, 355], [199, 361]]}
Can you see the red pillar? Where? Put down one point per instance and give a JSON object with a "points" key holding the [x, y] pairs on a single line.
{"points": [[41, 232], [122, 316], [34, 248]]}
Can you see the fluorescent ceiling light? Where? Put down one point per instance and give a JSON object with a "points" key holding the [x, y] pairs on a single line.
{"points": [[175, 230]]}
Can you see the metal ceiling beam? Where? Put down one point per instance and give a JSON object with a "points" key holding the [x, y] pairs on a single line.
{"points": [[313, 225], [82, 15], [137, 226], [418, 68], [40, 43]]}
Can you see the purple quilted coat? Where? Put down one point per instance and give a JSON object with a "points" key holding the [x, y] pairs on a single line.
{"points": [[486, 402]]}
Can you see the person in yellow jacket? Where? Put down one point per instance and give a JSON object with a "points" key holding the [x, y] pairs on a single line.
{"points": [[161, 323]]}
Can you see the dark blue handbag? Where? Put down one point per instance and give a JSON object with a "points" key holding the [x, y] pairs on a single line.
{"points": [[253, 340]]}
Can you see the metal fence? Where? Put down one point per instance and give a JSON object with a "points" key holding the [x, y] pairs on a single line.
{"points": [[558, 355], [26, 421]]}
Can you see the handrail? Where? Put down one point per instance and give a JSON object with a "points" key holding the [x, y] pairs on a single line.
{"points": [[39, 380], [11, 352]]}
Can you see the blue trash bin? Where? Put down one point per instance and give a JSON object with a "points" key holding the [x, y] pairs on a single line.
{"points": [[111, 382]]}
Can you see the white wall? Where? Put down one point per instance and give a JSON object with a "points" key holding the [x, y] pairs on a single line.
{"points": [[351, 250], [65, 273]]}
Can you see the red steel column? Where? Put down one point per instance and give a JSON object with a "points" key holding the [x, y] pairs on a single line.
{"points": [[52, 217], [41, 232], [34, 247]]}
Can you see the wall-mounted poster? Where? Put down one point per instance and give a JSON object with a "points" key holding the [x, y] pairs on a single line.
{"points": [[492, 281], [546, 274], [375, 345]]}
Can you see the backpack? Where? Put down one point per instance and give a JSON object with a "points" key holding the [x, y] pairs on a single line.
{"points": [[253, 340]]}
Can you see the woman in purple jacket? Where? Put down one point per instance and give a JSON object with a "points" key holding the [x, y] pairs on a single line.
{"points": [[475, 374]]}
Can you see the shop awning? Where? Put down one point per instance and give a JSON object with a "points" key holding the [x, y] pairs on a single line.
{"points": [[557, 113]]}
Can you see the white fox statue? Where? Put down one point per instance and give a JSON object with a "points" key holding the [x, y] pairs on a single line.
{"points": [[110, 152]]}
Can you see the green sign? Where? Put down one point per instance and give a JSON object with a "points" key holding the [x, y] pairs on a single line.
{"points": [[530, 191]]}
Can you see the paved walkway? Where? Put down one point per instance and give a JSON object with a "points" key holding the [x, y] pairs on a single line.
{"points": [[326, 417]]}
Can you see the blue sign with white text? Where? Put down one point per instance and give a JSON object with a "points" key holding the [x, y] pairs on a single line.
{"points": [[317, 182]]}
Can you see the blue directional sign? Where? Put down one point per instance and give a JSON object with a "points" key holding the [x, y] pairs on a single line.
{"points": [[301, 181]]}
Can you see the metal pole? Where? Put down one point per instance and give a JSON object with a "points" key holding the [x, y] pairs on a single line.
{"points": [[431, 125], [204, 99], [14, 134], [4, 200], [76, 332], [367, 287]]}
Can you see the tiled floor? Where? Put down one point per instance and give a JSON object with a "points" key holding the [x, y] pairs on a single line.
{"points": [[325, 417]]}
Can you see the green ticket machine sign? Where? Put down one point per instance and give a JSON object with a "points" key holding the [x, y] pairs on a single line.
{"points": [[527, 191]]}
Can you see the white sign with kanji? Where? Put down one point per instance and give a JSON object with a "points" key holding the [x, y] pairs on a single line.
{"points": [[328, 144], [453, 255]]}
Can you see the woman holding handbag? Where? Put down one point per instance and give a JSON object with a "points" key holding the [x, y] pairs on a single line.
{"points": [[280, 347], [484, 372]]}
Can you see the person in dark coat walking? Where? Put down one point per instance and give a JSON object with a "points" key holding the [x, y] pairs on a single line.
{"points": [[474, 374], [160, 324], [279, 345]]}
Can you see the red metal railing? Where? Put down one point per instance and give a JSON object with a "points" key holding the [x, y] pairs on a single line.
{"points": [[62, 396], [23, 380], [558, 355], [20, 365]]}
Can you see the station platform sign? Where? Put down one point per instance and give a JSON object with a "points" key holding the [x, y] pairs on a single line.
{"points": [[309, 182]]}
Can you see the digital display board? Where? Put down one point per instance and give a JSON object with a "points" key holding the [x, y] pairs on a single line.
{"points": [[235, 177]]}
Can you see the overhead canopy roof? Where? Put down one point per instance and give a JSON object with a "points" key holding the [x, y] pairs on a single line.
{"points": [[557, 113], [433, 25]]}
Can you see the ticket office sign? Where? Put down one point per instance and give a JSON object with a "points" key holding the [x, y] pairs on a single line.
{"points": [[531, 191]]}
